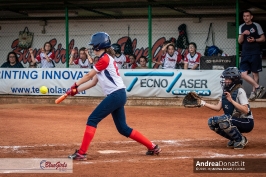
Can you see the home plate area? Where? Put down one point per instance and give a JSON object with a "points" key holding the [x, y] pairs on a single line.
{"points": [[49, 131]]}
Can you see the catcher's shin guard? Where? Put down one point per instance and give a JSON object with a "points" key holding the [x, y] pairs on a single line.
{"points": [[214, 125]]}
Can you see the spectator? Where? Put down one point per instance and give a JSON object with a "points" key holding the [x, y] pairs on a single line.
{"points": [[32, 65], [120, 58], [12, 61], [132, 62], [84, 60], [143, 63], [46, 56], [192, 59], [250, 35], [170, 57]]}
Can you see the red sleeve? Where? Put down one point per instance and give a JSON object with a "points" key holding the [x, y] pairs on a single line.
{"points": [[51, 55], [163, 57], [76, 61], [103, 63], [38, 57], [179, 57], [127, 59], [134, 65], [198, 58]]}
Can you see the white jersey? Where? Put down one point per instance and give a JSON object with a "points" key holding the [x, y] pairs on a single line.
{"points": [[120, 60], [192, 60], [85, 64], [108, 74], [242, 99], [45, 64], [170, 61]]}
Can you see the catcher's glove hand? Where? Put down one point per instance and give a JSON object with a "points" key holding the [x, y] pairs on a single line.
{"points": [[192, 100]]}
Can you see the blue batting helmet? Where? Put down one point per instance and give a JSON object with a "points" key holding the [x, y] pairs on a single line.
{"points": [[100, 40]]}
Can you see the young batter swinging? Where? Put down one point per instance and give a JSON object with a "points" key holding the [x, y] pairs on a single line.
{"points": [[106, 72]]}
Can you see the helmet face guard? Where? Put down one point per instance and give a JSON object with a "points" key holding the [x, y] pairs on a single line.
{"points": [[234, 75], [100, 40], [226, 86]]}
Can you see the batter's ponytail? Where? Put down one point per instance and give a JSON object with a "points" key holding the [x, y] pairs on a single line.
{"points": [[110, 51]]}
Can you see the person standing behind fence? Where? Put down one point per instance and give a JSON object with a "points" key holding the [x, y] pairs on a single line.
{"points": [[46, 56], [192, 59], [84, 60], [250, 35], [12, 61]]}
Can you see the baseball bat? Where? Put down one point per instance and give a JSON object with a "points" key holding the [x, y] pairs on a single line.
{"points": [[62, 97]]}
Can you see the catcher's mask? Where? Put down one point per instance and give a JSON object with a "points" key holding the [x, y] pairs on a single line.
{"points": [[117, 48], [234, 75]]}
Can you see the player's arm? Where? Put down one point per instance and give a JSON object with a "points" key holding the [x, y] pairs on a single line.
{"points": [[71, 60], [216, 107], [242, 108], [156, 62], [45, 55], [88, 84], [240, 38], [195, 66], [186, 62], [185, 65], [241, 35], [32, 56], [165, 46], [86, 77], [88, 56], [261, 38], [261, 33]]}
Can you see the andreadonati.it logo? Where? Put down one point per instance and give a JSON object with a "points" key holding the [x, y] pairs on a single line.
{"points": [[220, 163]]}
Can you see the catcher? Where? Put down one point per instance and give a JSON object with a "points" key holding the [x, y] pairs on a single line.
{"points": [[237, 117]]}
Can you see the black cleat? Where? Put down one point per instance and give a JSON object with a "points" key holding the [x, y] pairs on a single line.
{"points": [[78, 156], [156, 150]]}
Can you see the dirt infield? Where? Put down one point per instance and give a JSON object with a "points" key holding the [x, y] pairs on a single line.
{"points": [[52, 131]]}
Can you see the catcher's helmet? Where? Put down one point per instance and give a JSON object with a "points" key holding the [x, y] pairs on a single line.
{"points": [[117, 48], [100, 40], [233, 74]]}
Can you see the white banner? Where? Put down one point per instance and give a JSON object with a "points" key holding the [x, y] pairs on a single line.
{"points": [[36, 165], [139, 82]]}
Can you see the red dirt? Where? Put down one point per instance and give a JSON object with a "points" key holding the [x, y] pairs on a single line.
{"points": [[182, 133]]}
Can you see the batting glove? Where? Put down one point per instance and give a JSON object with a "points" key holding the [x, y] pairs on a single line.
{"points": [[73, 90]]}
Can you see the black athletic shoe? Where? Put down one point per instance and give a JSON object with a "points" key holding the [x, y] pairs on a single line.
{"points": [[230, 144], [259, 91], [156, 150], [241, 144], [78, 156]]}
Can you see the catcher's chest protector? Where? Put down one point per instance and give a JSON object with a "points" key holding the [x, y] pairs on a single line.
{"points": [[228, 107]]}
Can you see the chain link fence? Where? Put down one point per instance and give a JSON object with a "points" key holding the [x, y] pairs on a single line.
{"points": [[177, 23]]}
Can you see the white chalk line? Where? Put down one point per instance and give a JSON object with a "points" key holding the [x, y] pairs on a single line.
{"points": [[110, 151], [160, 158], [173, 142], [21, 149]]}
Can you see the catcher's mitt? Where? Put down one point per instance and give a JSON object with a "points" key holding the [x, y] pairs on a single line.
{"points": [[192, 100]]}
